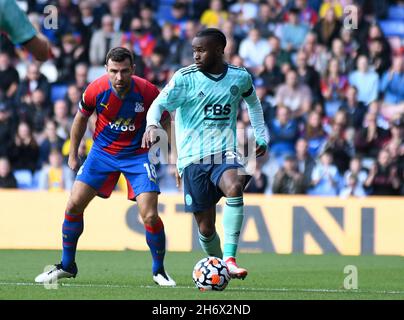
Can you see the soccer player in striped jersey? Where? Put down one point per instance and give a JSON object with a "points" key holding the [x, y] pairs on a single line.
{"points": [[121, 101], [206, 98]]}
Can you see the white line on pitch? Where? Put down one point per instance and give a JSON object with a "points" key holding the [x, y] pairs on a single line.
{"points": [[312, 290]]}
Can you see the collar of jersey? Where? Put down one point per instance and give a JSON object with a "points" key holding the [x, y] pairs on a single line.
{"points": [[219, 78]]}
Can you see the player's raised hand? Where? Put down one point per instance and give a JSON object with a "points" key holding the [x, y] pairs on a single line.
{"points": [[74, 162], [150, 136]]}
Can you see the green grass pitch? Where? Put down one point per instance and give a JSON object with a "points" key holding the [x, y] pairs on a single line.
{"points": [[126, 275]]}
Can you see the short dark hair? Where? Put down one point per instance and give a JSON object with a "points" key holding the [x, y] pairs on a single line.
{"points": [[214, 33], [119, 54]]}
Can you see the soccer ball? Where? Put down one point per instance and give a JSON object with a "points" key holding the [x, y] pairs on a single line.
{"points": [[211, 273]]}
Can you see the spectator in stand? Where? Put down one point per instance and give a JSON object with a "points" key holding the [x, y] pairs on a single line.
{"points": [[317, 55], [307, 14], [376, 33], [293, 32], [179, 18], [51, 141], [325, 177], [284, 133], [314, 133], [266, 20], [73, 97], [392, 88], [70, 54], [230, 50], [337, 144], [186, 52], [333, 88], [356, 169], [351, 47], [86, 25], [377, 59], [371, 138], [120, 15], [156, 71], [266, 100], [245, 11], [7, 179], [305, 161], [149, 22], [308, 75], [170, 43], [55, 176], [138, 39], [9, 78], [355, 109], [259, 182], [333, 5], [397, 132], [271, 74], [288, 180], [24, 151], [215, 16], [33, 80], [63, 119], [253, 50], [297, 97], [365, 80], [80, 76], [281, 55], [103, 40], [353, 188], [7, 127], [328, 28], [36, 112], [345, 62], [360, 33], [383, 177]]}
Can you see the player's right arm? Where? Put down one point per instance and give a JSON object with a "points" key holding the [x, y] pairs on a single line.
{"points": [[79, 127], [170, 98], [86, 108]]}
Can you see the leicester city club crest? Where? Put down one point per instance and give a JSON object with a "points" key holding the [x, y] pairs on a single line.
{"points": [[234, 90]]}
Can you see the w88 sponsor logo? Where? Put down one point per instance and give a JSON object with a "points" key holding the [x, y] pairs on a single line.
{"points": [[122, 125]]}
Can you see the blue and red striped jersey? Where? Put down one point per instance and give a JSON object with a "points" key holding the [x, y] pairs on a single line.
{"points": [[121, 122]]}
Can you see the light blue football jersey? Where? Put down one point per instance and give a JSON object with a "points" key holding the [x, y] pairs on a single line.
{"points": [[206, 110]]}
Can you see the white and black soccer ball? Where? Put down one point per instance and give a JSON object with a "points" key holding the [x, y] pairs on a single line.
{"points": [[211, 273]]}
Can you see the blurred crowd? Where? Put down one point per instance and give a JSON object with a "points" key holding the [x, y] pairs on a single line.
{"points": [[330, 81]]}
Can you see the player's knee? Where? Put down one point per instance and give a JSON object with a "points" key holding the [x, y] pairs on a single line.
{"points": [[74, 206], [207, 230], [234, 190], [150, 217]]}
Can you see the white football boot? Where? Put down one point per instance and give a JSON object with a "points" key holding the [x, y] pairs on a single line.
{"points": [[163, 279], [56, 273]]}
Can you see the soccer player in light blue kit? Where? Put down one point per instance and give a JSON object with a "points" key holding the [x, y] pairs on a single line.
{"points": [[206, 98]]}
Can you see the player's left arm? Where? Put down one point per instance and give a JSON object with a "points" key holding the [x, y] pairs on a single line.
{"points": [[21, 31], [257, 119]]}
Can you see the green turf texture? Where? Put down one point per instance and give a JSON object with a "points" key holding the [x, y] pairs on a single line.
{"points": [[126, 275]]}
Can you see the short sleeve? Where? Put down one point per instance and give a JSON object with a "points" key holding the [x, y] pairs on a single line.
{"points": [[88, 101], [174, 93], [248, 87], [16, 24]]}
